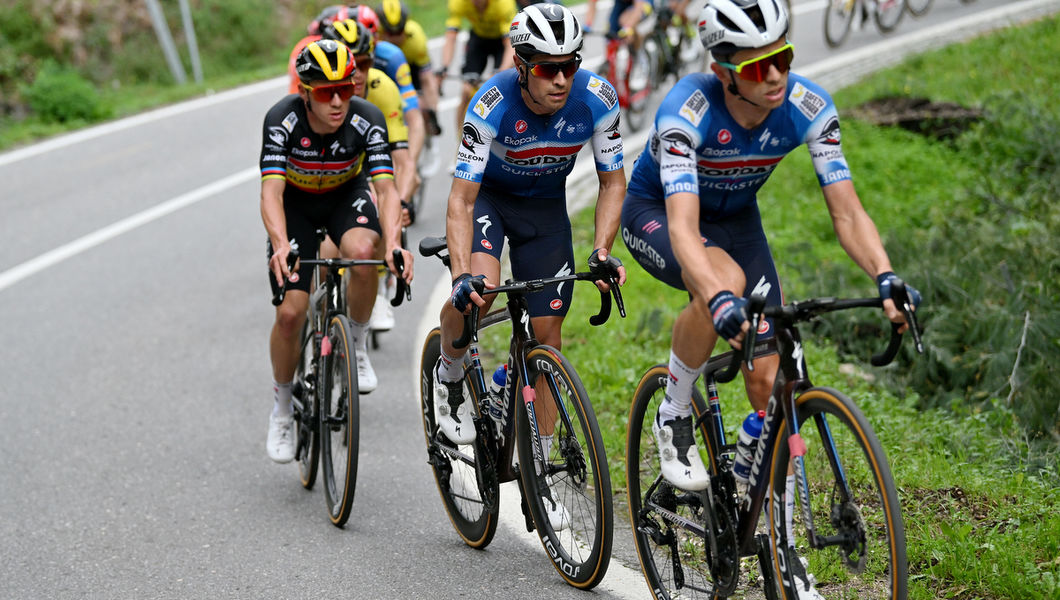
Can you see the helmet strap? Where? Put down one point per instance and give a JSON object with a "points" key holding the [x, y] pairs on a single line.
{"points": [[735, 90]]}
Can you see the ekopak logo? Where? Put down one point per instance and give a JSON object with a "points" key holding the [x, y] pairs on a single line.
{"points": [[520, 126], [724, 136]]}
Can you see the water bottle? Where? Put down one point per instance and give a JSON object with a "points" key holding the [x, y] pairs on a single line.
{"points": [[746, 445], [496, 392]]}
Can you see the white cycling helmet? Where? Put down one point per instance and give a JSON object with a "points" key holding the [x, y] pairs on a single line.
{"points": [[727, 26], [545, 29]]}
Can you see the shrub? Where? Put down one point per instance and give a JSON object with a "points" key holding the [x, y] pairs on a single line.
{"points": [[61, 95]]}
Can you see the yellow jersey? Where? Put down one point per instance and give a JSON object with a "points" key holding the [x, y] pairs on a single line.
{"points": [[492, 23], [415, 45], [381, 91]]}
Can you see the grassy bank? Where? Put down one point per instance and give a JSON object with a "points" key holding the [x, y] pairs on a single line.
{"points": [[971, 440]]}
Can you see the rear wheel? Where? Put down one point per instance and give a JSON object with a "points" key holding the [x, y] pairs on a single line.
{"points": [[918, 8], [838, 16], [471, 504], [306, 407], [852, 501], [339, 420], [673, 558], [569, 495], [639, 85]]}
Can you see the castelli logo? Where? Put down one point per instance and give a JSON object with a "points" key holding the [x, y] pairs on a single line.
{"points": [[362, 219], [724, 136], [520, 126], [763, 327], [487, 245], [556, 304], [305, 142]]}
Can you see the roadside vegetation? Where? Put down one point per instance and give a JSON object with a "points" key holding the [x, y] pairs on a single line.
{"points": [[971, 427]]}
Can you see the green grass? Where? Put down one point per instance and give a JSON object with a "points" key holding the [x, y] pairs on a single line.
{"points": [[978, 484]]}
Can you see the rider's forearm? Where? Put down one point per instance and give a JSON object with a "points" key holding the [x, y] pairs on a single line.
{"points": [[389, 213], [448, 50], [459, 218], [404, 172], [855, 230], [609, 208], [272, 214], [417, 133]]}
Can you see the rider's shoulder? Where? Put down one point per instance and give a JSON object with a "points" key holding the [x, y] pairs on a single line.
{"points": [[289, 104], [807, 97]]}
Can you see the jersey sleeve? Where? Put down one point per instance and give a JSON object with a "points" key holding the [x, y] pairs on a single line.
{"points": [[397, 68], [677, 125], [415, 46], [821, 136], [377, 146], [606, 140], [274, 146], [478, 131], [455, 17]]}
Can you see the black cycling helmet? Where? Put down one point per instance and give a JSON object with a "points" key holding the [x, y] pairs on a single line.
{"points": [[335, 12], [325, 60], [354, 35], [393, 14]]}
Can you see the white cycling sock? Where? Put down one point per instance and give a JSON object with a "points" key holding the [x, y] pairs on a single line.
{"points": [[450, 369], [359, 332], [789, 509], [678, 403], [281, 393]]}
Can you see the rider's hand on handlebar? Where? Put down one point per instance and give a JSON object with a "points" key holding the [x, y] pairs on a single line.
{"points": [[883, 283], [730, 318], [406, 272], [278, 265], [600, 262], [466, 290]]}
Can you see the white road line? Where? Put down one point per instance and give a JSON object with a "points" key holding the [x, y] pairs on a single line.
{"points": [[71, 249]]}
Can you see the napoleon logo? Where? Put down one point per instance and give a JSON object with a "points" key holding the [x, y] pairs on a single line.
{"points": [[278, 135], [676, 143], [830, 133], [471, 137]]}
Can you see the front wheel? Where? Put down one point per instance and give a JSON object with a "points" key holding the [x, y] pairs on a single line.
{"points": [[888, 14], [853, 511], [340, 420], [565, 478], [918, 8], [473, 508], [838, 17], [672, 556]]}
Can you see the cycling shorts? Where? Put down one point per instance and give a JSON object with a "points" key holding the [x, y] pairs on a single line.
{"points": [[340, 212], [476, 55], [646, 232], [539, 233]]}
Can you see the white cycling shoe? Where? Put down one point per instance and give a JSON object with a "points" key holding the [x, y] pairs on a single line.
{"points": [[681, 464], [451, 411], [558, 517], [366, 379], [804, 582], [382, 318], [280, 442]]}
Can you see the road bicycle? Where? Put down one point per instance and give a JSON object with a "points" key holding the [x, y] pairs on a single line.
{"points": [[840, 16], [846, 515], [565, 473], [324, 391]]}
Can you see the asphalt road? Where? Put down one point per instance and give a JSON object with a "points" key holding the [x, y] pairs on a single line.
{"points": [[136, 384]]}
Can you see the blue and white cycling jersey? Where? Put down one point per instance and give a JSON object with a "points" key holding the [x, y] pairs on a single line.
{"points": [[507, 147], [391, 60], [697, 147]]}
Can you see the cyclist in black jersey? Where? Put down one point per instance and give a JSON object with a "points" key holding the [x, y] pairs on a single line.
{"points": [[319, 149]]}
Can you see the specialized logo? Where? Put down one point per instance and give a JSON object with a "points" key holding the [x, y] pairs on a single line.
{"points": [[830, 134], [305, 142], [559, 126], [724, 136], [808, 103], [289, 121], [694, 108], [563, 272], [520, 126], [488, 101], [358, 205], [484, 220], [335, 147], [603, 91], [471, 137]]}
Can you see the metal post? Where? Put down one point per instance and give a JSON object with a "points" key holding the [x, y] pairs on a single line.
{"points": [[158, 20], [193, 45]]}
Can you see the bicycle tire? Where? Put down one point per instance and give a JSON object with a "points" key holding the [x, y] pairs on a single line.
{"points": [[888, 14], [639, 88], [581, 551], [651, 532], [870, 521], [918, 8], [340, 419], [838, 17], [306, 408], [474, 519]]}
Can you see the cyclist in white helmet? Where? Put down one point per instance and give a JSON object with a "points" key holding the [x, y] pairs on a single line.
{"points": [[691, 216]]}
